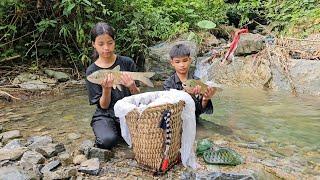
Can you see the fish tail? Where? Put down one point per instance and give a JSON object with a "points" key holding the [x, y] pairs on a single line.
{"points": [[145, 78]]}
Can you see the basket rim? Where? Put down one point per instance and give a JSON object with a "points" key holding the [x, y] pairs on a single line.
{"points": [[153, 108]]}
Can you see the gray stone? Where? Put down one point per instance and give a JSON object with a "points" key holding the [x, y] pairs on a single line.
{"points": [[13, 144], [10, 135], [216, 176], [37, 141], [305, 76], [1, 128], [50, 150], [60, 76], [34, 85], [101, 154], [5, 163], [50, 166], [79, 159], [10, 173], [24, 77], [31, 158], [11, 154], [250, 44], [64, 173], [91, 166], [86, 146], [65, 159], [73, 136]]}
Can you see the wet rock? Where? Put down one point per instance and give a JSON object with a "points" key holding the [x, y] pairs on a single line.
{"points": [[73, 136], [250, 145], [101, 154], [10, 173], [305, 75], [60, 76], [37, 169], [24, 77], [91, 166], [65, 159], [250, 44], [37, 141], [34, 85], [51, 150], [11, 154], [86, 146], [31, 158], [269, 163], [79, 159], [10, 135], [216, 176], [5, 163], [50, 166], [13, 144], [64, 173]]}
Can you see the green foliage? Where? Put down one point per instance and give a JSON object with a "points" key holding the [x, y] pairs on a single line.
{"points": [[294, 17], [61, 29], [205, 24]]}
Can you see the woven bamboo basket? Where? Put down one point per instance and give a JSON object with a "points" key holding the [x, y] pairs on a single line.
{"points": [[148, 139]]}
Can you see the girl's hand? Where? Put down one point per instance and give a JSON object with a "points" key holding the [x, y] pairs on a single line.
{"points": [[196, 90], [209, 93], [127, 80], [108, 81]]}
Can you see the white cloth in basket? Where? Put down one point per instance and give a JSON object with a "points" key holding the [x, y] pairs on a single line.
{"points": [[149, 99]]}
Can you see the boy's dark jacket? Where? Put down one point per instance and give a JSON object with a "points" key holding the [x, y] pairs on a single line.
{"points": [[173, 82]]}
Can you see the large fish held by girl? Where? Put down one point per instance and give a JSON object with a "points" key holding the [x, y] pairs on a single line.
{"points": [[98, 76]]}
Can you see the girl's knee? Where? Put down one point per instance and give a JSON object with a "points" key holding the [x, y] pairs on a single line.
{"points": [[107, 142]]}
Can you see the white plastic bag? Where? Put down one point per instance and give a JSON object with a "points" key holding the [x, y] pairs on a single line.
{"points": [[149, 99]]}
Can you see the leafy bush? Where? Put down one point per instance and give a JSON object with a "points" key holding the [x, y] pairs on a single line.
{"points": [[58, 30]]}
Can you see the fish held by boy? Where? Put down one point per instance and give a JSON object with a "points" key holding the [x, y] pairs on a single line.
{"points": [[190, 84], [98, 76]]}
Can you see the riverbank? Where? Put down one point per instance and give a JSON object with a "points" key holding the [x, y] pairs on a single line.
{"points": [[260, 125]]}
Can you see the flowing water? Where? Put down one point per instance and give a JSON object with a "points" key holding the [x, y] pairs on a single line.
{"points": [[284, 129]]}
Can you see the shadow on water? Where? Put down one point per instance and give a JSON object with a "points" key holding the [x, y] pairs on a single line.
{"points": [[208, 126]]}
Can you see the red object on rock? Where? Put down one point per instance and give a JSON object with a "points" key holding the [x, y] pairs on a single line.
{"points": [[229, 55]]}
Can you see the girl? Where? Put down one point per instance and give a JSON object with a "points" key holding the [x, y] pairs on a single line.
{"points": [[105, 125]]}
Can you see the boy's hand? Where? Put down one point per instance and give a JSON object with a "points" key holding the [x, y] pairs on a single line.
{"points": [[108, 81], [127, 80], [209, 93]]}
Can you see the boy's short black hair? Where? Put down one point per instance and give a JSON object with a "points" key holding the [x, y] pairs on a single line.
{"points": [[179, 50]]}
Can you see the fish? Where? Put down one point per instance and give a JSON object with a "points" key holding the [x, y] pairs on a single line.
{"points": [[98, 76], [190, 84]]}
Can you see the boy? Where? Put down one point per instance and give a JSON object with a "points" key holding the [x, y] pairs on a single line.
{"points": [[181, 61]]}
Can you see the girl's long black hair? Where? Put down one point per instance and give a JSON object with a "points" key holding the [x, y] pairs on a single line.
{"points": [[100, 29]]}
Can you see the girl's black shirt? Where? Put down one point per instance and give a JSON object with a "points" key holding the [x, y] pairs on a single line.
{"points": [[95, 90]]}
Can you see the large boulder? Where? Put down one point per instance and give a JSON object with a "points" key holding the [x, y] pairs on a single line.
{"points": [[250, 43], [243, 72], [303, 75]]}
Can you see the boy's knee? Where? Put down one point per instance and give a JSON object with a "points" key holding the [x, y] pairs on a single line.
{"points": [[107, 142]]}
